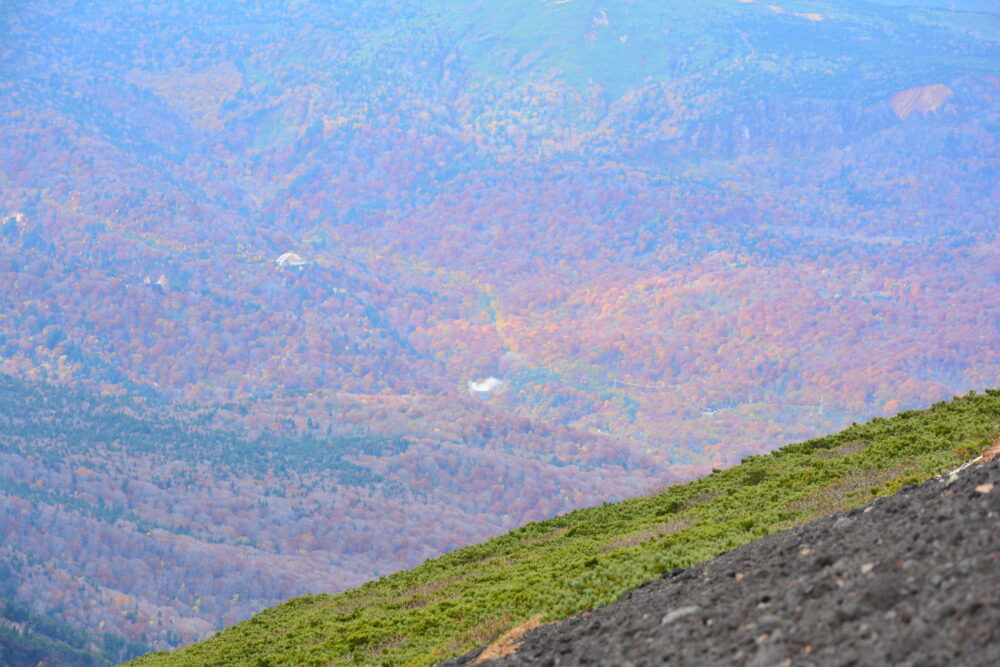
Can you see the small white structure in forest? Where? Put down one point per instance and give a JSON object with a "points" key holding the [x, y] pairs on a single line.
{"points": [[484, 386], [291, 259], [162, 282]]}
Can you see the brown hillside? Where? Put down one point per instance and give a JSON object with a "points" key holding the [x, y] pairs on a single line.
{"points": [[921, 98]]}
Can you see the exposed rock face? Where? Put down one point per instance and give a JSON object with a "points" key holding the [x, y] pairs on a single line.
{"points": [[921, 98]]}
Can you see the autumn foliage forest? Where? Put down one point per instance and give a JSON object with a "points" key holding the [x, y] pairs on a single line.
{"points": [[672, 236]]}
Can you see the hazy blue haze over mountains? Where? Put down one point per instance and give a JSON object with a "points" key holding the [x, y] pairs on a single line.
{"points": [[675, 232]]}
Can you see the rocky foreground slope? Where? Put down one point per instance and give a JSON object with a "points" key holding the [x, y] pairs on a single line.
{"points": [[910, 579]]}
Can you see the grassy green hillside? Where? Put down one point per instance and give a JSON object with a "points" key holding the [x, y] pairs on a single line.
{"points": [[590, 557]]}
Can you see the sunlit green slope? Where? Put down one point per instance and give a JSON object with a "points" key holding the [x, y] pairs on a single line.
{"points": [[590, 557]]}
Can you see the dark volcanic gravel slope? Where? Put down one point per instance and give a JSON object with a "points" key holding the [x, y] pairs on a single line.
{"points": [[913, 579]]}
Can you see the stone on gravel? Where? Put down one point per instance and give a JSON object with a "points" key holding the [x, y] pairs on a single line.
{"points": [[678, 613]]}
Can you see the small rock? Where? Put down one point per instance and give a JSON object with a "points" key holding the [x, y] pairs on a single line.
{"points": [[984, 488], [768, 622], [867, 567], [848, 611], [823, 561], [881, 595], [792, 597], [945, 611], [767, 656], [680, 612]]}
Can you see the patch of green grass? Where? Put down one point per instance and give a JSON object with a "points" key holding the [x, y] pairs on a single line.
{"points": [[588, 558]]}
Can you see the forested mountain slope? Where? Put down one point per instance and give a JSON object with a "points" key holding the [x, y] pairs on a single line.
{"points": [[546, 254], [551, 569], [28, 639], [151, 520], [660, 222]]}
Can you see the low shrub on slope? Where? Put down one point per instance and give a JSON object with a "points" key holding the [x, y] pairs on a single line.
{"points": [[590, 557]]}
